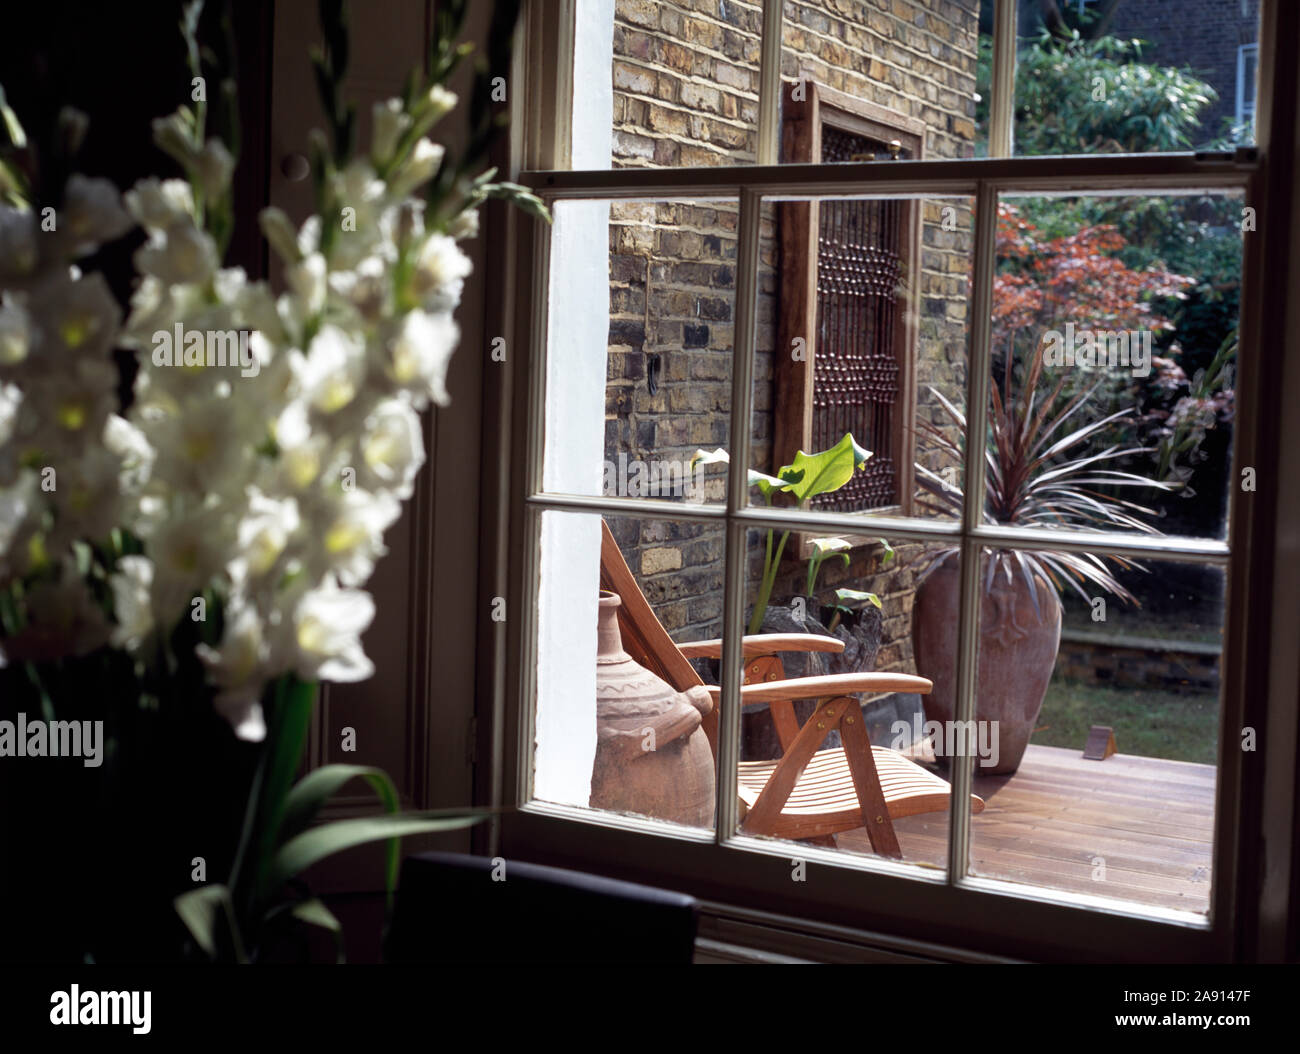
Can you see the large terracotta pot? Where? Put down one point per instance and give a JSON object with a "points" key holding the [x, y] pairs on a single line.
{"points": [[1017, 655], [652, 756]]}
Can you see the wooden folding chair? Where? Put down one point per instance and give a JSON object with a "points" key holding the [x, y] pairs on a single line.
{"points": [[809, 793]]}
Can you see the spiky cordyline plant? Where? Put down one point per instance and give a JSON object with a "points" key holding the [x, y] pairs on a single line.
{"points": [[1033, 482]]}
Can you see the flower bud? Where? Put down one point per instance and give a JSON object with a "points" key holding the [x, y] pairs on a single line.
{"points": [[389, 122]]}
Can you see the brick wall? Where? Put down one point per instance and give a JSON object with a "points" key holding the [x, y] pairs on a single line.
{"points": [[1201, 34], [1179, 666], [685, 76]]}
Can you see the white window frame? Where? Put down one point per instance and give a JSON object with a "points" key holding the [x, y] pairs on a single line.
{"points": [[1244, 112], [744, 879]]}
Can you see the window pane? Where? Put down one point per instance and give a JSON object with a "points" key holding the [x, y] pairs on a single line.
{"points": [[622, 722], [1137, 76], [860, 605], [866, 81], [685, 83], [642, 319], [1129, 306], [1066, 809], [862, 333]]}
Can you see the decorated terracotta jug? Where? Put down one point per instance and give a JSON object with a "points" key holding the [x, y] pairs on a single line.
{"points": [[652, 756]]}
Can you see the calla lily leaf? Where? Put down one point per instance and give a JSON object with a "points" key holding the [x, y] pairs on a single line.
{"points": [[812, 474], [766, 484]]}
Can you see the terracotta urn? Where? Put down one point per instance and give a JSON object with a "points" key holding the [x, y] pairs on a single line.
{"points": [[652, 756], [1017, 654]]}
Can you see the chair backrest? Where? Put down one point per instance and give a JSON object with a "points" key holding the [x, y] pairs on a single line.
{"points": [[644, 637]]}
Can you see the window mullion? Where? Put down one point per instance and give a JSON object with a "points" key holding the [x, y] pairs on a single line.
{"points": [[977, 402], [1002, 87], [769, 84], [733, 611]]}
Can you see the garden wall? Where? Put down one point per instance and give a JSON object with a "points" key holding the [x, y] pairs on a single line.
{"points": [[685, 78]]}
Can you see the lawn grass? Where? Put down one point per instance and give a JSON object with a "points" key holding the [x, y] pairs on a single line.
{"points": [[1150, 722]]}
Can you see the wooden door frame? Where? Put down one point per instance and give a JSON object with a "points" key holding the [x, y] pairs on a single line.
{"points": [[808, 107]]}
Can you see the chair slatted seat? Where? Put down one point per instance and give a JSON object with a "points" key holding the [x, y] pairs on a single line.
{"points": [[808, 793]]}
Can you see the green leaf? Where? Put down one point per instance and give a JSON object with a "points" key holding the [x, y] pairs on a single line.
{"points": [[312, 846], [812, 474], [199, 909], [823, 547], [314, 913], [521, 197], [855, 598], [317, 787], [765, 483], [291, 708], [13, 128]]}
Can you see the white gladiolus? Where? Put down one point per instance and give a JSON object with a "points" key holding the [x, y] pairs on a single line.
{"points": [[79, 314], [86, 497], [18, 253], [392, 448], [65, 411], [279, 233], [309, 236], [214, 167], [302, 452], [17, 504], [388, 123], [419, 355], [10, 398], [328, 623], [237, 667], [186, 549], [157, 204], [352, 538], [307, 280], [465, 225], [439, 102], [92, 214], [204, 448], [131, 583], [440, 270], [180, 254], [172, 136], [419, 168], [15, 331], [265, 484], [333, 370], [263, 534]]}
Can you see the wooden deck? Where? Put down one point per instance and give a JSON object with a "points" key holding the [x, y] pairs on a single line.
{"points": [[1149, 820]]}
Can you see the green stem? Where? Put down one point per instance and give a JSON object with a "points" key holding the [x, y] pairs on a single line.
{"points": [[769, 580], [251, 811]]}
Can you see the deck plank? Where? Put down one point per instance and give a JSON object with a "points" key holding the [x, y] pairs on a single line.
{"points": [[1150, 819]]}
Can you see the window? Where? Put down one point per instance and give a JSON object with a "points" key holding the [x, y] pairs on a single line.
{"points": [[1018, 256], [1247, 61]]}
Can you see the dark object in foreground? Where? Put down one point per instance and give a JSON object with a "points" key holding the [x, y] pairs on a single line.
{"points": [[453, 908], [1101, 743]]}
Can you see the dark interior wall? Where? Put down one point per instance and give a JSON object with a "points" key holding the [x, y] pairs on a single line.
{"points": [[122, 65]]}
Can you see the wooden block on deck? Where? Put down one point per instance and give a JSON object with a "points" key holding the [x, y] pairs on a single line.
{"points": [[1101, 743]]}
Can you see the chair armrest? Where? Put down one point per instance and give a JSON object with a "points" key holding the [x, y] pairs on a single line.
{"points": [[763, 644], [825, 687]]}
